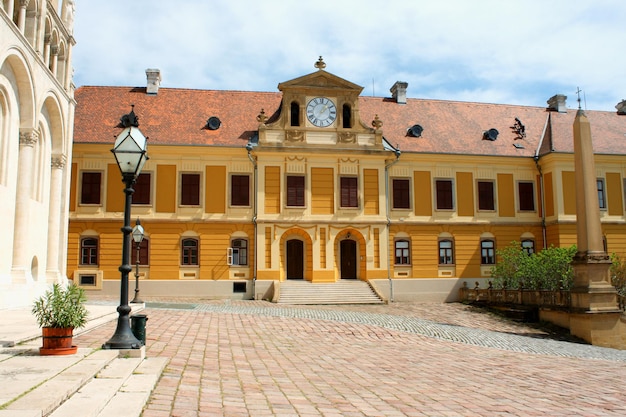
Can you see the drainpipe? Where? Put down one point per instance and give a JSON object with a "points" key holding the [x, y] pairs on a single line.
{"points": [[254, 218], [390, 256]]}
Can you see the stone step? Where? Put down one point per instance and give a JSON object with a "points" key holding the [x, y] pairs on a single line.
{"points": [[101, 383], [52, 381], [120, 389], [342, 292]]}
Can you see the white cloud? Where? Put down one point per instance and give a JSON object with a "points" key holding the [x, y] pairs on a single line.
{"points": [[518, 51]]}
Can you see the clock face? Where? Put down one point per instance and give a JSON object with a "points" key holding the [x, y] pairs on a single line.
{"points": [[321, 111]]}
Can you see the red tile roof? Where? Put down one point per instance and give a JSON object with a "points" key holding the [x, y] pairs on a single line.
{"points": [[179, 117]]}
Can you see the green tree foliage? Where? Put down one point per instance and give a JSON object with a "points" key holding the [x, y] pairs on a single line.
{"points": [[618, 274], [549, 269]]}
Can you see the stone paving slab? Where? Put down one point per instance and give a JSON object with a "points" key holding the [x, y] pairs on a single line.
{"points": [[256, 359]]}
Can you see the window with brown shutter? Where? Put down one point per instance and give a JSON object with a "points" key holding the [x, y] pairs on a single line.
{"points": [[526, 195], [349, 192], [240, 190], [295, 191], [90, 187], [444, 194], [401, 193], [485, 196], [142, 189], [190, 189]]}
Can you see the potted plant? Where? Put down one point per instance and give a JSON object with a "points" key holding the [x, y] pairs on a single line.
{"points": [[59, 311]]}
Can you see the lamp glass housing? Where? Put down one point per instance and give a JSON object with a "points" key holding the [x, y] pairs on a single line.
{"points": [[130, 151], [138, 232]]}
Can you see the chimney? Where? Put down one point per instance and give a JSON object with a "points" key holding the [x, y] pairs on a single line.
{"points": [[557, 103], [398, 92], [621, 108], [154, 80]]}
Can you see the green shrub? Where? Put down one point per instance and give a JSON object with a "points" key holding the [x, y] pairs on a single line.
{"points": [[549, 269], [618, 274], [61, 307]]}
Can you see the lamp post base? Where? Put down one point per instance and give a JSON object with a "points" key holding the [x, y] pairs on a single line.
{"points": [[123, 338], [136, 300]]}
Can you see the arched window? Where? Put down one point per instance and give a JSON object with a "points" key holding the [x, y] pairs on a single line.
{"points": [[528, 246], [347, 116], [239, 254], [189, 252], [403, 252], [295, 113], [446, 252], [89, 251], [487, 252]]}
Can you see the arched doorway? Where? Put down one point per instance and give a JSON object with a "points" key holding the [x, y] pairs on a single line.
{"points": [[347, 255], [295, 259]]}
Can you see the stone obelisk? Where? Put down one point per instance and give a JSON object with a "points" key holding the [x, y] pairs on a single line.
{"points": [[594, 300]]}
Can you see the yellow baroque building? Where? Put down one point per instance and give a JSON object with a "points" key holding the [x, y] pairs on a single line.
{"points": [[246, 190]]}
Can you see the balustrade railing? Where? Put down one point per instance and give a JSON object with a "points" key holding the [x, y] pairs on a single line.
{"points": [[520, 296]]}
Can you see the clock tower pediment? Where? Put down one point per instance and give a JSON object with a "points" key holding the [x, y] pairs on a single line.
{"points": [[320, 110]]}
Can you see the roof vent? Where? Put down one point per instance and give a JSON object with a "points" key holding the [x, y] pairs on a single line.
{"points": [[621, 108], [398, 91], [415, 131], [557, 103], [154, 80], [213, 123], [491, 134], [518, 145]]}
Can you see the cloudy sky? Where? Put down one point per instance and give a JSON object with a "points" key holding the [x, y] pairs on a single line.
{"points": [[513, 51]]}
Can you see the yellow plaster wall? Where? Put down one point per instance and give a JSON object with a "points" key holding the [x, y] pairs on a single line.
{"points": [[115, 197], [165, 202], [322, 191], [506, 195], [370, 194], [465, 193], [549, 194], [422, 193], [164, 238], [614, 194], [74, 187], [215, 189], [569, 192], [466, 238], [272, 190]]}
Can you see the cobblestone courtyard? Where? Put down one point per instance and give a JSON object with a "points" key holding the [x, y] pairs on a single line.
{"points": [[253, 358]]}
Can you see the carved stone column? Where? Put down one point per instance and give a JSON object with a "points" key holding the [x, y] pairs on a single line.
{"points": [[21, 19], [46, 50], [54, 50], [28, 140], [54, 218]]}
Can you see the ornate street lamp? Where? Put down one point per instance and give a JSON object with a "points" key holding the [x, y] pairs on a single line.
{"points": [[130, 154], [137, 237]]}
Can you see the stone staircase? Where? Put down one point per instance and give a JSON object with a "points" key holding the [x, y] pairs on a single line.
{"points": [[341, 292], [90, 383]]}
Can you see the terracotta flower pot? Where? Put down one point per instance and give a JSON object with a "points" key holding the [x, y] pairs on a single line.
{"points": [[57, 341]]}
